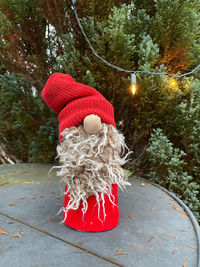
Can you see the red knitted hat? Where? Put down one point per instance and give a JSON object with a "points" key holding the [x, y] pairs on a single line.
{"points": [[74, 101]]}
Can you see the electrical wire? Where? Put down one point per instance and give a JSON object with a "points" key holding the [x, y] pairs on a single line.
{"points": [[119, 68]]}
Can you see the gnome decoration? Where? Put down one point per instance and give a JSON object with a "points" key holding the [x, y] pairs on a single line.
{"points": [[90, 154]]}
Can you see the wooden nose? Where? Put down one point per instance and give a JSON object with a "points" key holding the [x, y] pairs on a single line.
{"points": [[92, 124]]}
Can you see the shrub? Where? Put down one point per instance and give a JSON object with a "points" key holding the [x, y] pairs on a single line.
{"points": [[167, 168]]}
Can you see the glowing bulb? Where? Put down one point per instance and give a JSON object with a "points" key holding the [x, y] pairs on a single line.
{"points": [[133, 83], [172, 83], [133, 88]]}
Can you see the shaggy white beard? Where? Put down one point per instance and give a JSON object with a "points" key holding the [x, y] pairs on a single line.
{"points": [[90, 164]]}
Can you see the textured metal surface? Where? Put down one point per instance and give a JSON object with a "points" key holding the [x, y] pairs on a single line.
{"points": [[38, 249], [153, 229]]}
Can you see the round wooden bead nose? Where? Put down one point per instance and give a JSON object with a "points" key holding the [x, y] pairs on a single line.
{"points": [[92, 124]]}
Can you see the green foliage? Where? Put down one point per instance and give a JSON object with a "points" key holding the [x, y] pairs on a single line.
{"points": [[194, 148], [176, 165], [19, 9], [70, 58], [148, 53], [176, 22], [167, 167], [26, 122]]}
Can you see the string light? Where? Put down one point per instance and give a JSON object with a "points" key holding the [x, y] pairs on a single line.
{"points": [[133, 83], [173, 83], [119, 68]]}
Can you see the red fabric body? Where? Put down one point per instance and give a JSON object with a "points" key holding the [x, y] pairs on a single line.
{"points": [[90, 221]]}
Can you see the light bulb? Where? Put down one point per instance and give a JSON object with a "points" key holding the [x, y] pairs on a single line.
{"points": [[133, 88], [173, 82], [133, 83]]}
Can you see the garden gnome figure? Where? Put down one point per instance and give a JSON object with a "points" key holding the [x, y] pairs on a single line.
{"points": [[89, 153]]}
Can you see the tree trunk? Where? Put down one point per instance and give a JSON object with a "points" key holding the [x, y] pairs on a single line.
{"points": [[5, 156]]}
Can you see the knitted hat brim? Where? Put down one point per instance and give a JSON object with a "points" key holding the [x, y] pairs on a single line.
{"points": [[75, 112]]}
